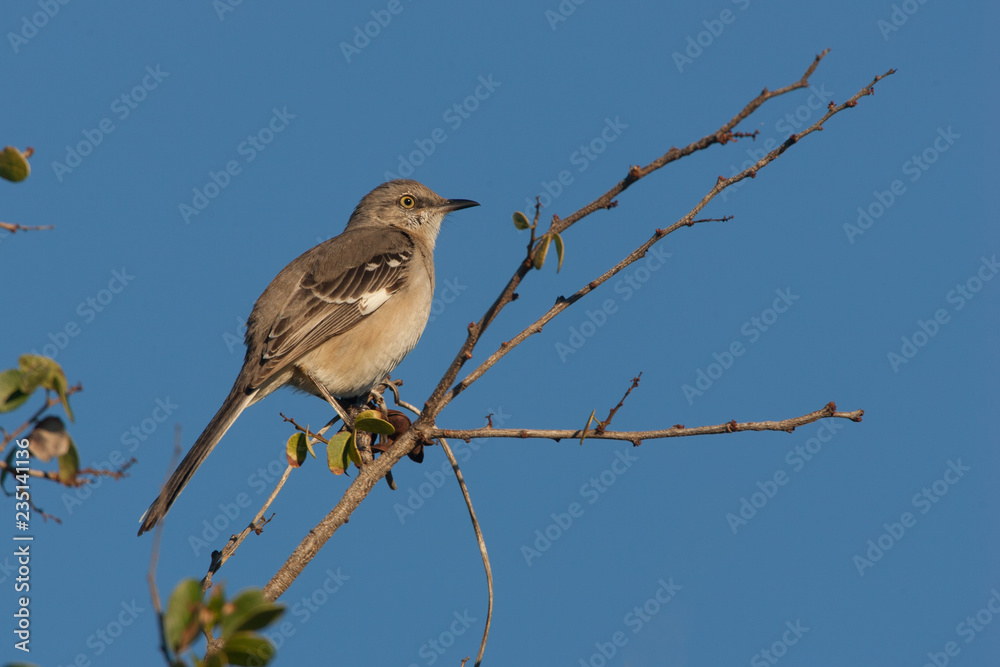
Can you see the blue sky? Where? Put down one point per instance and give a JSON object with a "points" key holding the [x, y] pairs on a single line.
{"points": [[221, 144]]}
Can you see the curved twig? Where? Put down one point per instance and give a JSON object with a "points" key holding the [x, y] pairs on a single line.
{"points": [[482, 546]]}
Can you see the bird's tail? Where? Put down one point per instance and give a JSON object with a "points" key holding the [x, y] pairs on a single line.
{"points": [[235, 403]]}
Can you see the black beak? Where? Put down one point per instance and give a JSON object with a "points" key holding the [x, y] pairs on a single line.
{"points": [[457, 205]]}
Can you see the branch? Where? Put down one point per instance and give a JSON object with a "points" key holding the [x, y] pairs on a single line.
{"points": [[721, 136], [424, 426], [256, 525], [687, 221], [14, 227], [602, 426], [366, 479], [829, 411], [438, 399], [78, 479]]}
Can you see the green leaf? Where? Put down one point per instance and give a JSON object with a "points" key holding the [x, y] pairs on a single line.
{"points": [[251, 611], [295, 450], [61, 387], [371, 421], [352, 451], [521, 220], [69, 464], [14, 165], [216, 602], [541, 250], [248, 648], [559, 250], [336, 453], [11, 396], [181, 619], [36, 371], [214, 660]]}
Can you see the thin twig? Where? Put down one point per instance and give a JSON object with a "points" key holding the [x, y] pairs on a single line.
{"points": [[14, 227], [318, 436], [602, 426], [79, 479], [219, 558], [687, 220], [482, 545], [441, 395], [257, 523], [636, 437], [475, 524]]}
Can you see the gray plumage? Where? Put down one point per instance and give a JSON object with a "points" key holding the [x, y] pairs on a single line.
{"points": [[345, 312]]}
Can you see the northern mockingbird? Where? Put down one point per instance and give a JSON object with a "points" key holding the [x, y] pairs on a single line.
{"points": [[343, 314]]}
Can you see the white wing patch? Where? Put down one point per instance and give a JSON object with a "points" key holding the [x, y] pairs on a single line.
{"points": [[372, 300]]}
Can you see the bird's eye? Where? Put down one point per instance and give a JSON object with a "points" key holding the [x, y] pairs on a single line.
{"points": [[407, 201]]}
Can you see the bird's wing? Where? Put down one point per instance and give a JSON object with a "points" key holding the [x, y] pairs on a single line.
{"points": [[331, 296]]}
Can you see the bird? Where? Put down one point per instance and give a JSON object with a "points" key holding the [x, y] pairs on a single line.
{"points": [[338, 318]]}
